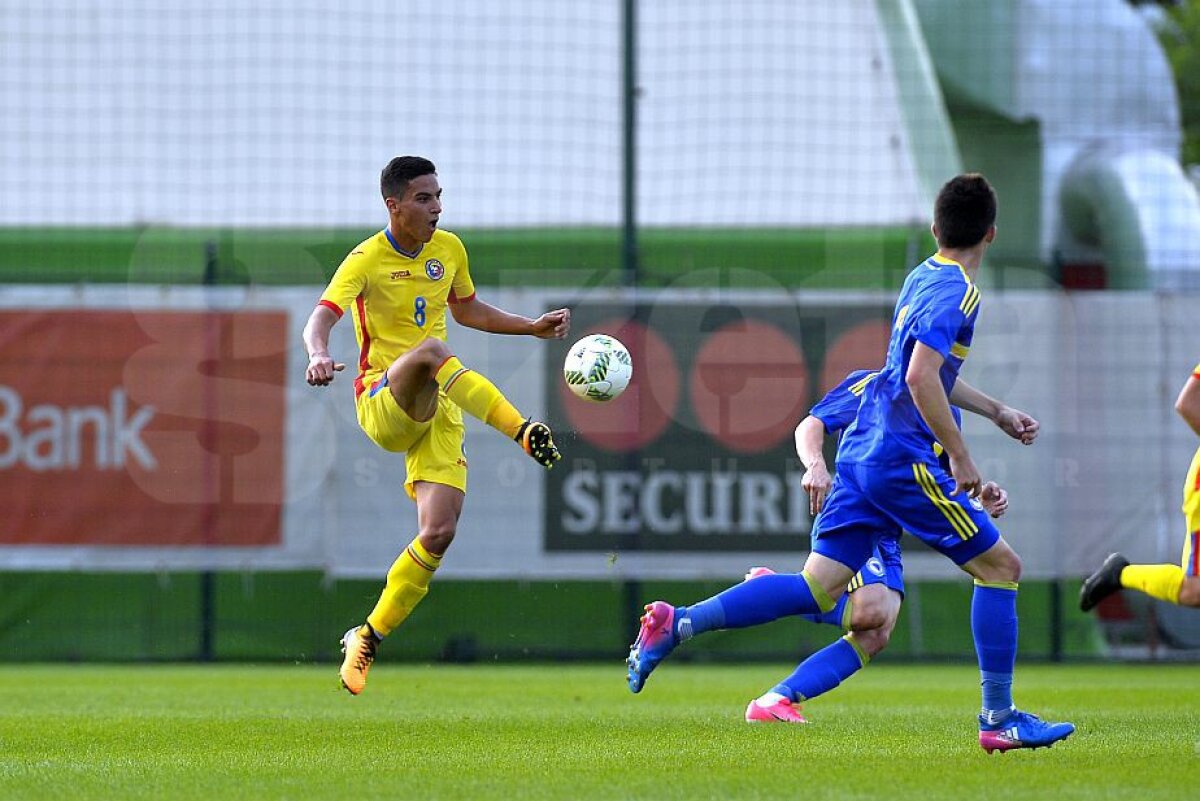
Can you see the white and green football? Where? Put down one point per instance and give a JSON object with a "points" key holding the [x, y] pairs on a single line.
{"points": [[598, 368]]}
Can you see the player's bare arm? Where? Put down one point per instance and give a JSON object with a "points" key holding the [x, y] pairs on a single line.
{"points": [[810, 437], [321, 366], [1188, 403], [481, 316], [1014, 422], [924, 382]]}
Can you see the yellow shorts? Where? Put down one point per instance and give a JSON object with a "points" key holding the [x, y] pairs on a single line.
{"points": [[433, 450], [1191, 511]]}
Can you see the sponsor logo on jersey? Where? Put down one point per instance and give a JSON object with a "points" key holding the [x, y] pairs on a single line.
{"points": [[397, 274], [434, 269]]}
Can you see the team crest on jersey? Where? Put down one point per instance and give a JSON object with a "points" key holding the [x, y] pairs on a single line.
{"points": [[875, 566], [434, 269]]}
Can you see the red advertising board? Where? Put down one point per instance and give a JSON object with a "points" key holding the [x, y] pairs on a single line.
{"points": [[141, 428]]}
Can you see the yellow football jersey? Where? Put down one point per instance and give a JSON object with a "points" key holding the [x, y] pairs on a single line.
{"points": [[1191, 510], [398, 298]]}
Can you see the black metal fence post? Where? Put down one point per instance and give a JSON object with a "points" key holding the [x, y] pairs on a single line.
{"points": [[208, 578]]}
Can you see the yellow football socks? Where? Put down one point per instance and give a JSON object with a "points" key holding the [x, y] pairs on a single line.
{"points": [[407, 582], [478, 397], [1157, 581]]}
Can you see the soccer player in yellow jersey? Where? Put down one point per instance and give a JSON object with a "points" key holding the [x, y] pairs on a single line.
{"points": [[1178, 584], [410, 387]]}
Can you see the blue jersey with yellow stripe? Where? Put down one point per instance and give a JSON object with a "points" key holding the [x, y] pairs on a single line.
{"points": [[839, 406], [836, 411], [937, 307]]}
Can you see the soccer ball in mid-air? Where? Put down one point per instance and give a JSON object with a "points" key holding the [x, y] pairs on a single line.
{"points": [[598, 368]]}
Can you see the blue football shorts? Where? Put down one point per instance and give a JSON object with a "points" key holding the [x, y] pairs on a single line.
{"points": [[883, 566], [869, 500]]}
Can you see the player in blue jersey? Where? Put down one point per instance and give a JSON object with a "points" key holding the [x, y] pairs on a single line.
{"points": [[887, 475], [869, 609]]}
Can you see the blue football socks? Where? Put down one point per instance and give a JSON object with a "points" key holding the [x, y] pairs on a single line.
{"points": [[835, 616], [698, 618], [750, 603], [994, 626], [823, 671]]}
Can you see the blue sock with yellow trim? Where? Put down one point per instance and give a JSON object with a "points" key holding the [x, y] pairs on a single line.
{"points": [[750, 603], [837, 616], [824, 670], [994, 626]]}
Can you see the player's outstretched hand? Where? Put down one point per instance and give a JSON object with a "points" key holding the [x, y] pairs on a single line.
{"points": [[994, 499], [1018, 425], [966, 476], [553, 324], [321, 369], [816, 483]]}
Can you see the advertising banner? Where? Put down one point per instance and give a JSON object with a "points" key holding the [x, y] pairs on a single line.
{"points": [[152, 428], [698, 454], [146, 428]]}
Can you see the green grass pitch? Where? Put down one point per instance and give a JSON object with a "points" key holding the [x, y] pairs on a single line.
{"points": [[575, 732]]}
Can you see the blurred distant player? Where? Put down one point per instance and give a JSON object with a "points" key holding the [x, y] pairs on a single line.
{"points": [[871, 605], [410, 387], [1177, 584], [887, 475]]}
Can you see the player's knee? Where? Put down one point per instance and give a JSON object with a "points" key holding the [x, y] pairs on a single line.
{"points": [[436, 535], [1189, 593], [1000, 563], [1012, 565], [867, 615], [432, 351], [1003, 566]]}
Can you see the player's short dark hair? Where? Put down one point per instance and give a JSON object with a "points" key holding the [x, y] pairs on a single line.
{"points": [[964, 211], [399, 171]]}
